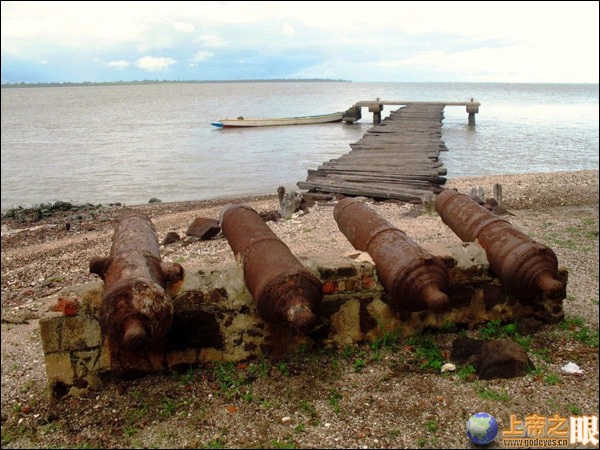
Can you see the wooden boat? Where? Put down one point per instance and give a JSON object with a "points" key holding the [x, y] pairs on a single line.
{"points": [[268, 122]]}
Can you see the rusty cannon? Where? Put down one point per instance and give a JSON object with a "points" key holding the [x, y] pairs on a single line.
{"points": [[413, 278], [526, 267], [284, 291], [135, 310]]}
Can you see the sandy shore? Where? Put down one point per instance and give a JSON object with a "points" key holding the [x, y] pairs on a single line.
{"points": [[379, 406]]}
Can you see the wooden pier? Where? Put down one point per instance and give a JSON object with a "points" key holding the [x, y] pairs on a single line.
{"points": [[396, 159]]}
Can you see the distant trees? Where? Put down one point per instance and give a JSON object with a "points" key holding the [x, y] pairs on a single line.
{"points": [[119, 83]]}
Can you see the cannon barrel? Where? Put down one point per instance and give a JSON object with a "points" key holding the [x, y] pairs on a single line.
{"points": [[525, 266], [283, 290], [413, 278], [135, 308]]}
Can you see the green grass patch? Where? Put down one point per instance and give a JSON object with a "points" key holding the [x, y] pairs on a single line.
{"points": [[494, 329], [215, 443], [432, 426], [334, 400], [359, 364], [490, 394], [308, 408], [465, 371], [427, 352], [300, 428], [579, 331], [552, 378], [288, 443], [236, 382]]}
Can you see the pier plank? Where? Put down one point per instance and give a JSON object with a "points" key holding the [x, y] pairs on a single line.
{"points": [[397, 159]]}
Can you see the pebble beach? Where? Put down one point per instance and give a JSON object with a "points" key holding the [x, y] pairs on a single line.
{"points": [[380, 406]]}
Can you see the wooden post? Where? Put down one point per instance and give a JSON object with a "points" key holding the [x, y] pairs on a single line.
{"points": [[497, 190]]}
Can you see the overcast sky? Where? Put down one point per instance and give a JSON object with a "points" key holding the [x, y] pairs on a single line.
{"points": [[357, 41]]}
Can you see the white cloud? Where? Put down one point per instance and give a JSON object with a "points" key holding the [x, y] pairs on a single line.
{"points": [[288, 30], [202, 55], [210, 40], [153, 64], [182, 26], [118, 64], [499, 41]]}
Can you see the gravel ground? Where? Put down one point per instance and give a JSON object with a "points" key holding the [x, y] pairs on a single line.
{"points": [[369, 396]]}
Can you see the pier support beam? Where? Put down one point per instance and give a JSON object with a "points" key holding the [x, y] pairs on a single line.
{"points": [[376, 109], [472, 109]]}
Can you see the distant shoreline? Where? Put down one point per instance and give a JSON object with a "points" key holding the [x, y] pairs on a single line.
{"points": [[276, 80], [143, 82]]}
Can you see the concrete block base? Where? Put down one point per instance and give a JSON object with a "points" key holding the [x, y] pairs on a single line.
{"points": [[215, 318]]}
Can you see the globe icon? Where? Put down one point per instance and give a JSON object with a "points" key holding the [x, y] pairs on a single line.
{"points": [[482, 428]]}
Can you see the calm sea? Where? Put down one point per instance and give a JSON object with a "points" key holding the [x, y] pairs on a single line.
{"points": [[127, 144]]}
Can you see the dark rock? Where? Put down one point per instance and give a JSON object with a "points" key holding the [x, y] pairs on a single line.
{"points": [[502, 358], [62, 206], [529, 325], [204, 228], [464, 348], [154, 200], [417, 211], [490, 203], [270, 215], [170, 238]]}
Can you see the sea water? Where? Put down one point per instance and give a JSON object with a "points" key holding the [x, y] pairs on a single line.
{"points": [[129, 143]]}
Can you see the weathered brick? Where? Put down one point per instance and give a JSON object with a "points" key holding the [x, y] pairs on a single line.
{"points": [[352, 285], [59, 368], [51, 324], [80, 332], [367, 282], [329, 287], [345, 324]]}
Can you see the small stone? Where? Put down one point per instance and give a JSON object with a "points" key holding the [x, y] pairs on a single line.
{"points": [[502, 358], [571, 368], [448, 367], [170, 237], [204, 228], [286, 419]]}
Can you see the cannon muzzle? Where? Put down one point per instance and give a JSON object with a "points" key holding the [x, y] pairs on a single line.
{"points": [[413, 278], [526, 267], [284, 291], [135, 308]]}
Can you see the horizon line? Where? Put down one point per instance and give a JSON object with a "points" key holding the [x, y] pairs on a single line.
{"points": [[250, 80]]}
